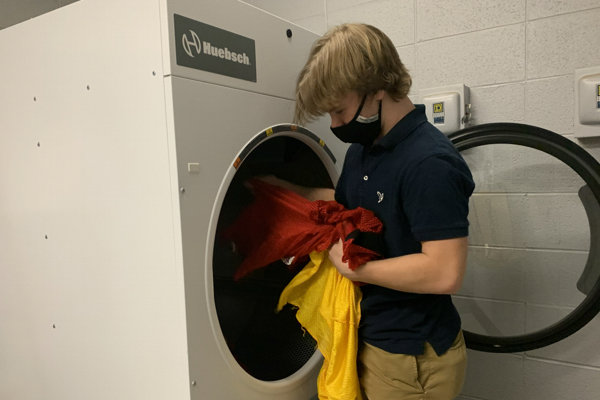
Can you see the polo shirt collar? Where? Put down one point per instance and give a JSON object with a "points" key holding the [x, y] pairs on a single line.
{"points": [[403, 128]]}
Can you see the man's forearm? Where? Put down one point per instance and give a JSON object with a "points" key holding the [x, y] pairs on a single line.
{"points": [[314, 194], [439, 269], [311, 194], [413, 273]]}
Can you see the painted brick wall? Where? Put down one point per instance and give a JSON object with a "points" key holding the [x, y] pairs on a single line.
{"points": [[529, 235]]}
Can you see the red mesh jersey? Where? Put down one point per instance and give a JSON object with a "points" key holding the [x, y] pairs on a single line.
{"points": [[281, 224]]}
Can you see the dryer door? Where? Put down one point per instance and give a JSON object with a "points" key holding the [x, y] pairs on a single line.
{"points": [[263, 347], [533, 276]]}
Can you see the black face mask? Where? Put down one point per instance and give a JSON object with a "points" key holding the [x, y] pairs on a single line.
{"points": [[360, 129]]}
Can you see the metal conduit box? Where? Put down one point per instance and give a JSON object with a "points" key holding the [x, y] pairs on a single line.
{"points": [[127, 130]]}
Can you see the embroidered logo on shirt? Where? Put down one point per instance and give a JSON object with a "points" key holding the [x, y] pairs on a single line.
{"points": [[380, 197]]}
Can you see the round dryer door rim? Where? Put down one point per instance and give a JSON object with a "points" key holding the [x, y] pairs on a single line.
{"points": [[310, 369], [588, 168], [291, 130]]}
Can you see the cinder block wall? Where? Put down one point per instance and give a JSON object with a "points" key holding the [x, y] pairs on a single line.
{"points": [[529, 236]]}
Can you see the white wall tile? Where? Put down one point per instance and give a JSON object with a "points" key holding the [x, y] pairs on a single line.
{"points": [[542, 277], [495, 274], [14, 11], [291, 10], [579, 348], [556, 221], [451, 17], [395, 18], [407, 56], [497, 220], [491, 317], [559, 45], [316, 24], [503, 103], [520, 169], [481, 166], [548, 380], [494, 376], [336, 5], [553, 221], [475, 59], [550, 103], [507, 168], [550, 277], [547, 8]]}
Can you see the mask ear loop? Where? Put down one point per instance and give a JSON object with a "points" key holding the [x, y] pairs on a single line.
{"points": [[367, 119], [362, 103]]}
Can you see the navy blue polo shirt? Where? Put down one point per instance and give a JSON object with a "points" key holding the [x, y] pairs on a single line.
{"points": [[418, 185]]}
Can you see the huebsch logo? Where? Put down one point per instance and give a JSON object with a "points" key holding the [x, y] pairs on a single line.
{"points": [[208, 48], [195, 43], [212, 50]]}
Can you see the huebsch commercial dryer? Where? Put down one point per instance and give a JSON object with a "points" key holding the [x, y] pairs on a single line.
{"points": [[127, 130]]}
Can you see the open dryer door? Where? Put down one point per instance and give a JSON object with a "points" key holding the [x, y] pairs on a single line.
{"points": [[533, 277]]}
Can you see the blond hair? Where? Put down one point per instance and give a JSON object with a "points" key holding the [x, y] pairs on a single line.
{"points": [[349, 57]]}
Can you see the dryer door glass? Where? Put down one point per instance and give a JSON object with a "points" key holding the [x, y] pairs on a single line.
{"points": [[533, 269], [267, 345]]}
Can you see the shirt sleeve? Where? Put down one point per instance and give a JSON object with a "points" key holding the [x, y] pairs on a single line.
{"points": [[435, 197]]}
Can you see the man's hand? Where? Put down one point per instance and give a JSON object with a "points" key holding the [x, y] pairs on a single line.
{"points": [[336, 252]]}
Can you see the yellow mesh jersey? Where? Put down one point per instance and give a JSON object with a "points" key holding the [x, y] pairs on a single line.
{"points": [[329, 309]]}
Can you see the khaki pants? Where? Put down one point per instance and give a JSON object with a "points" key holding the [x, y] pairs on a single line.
{"points": [[387, 376]]}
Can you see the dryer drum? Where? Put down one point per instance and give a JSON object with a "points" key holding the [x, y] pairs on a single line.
{"points": [[588, 283], [269, 346]]}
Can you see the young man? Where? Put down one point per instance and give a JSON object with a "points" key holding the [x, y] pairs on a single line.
{"points": [[406, 171]]}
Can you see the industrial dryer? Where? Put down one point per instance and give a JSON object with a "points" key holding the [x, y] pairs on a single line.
{"points": [[127, 130]]}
